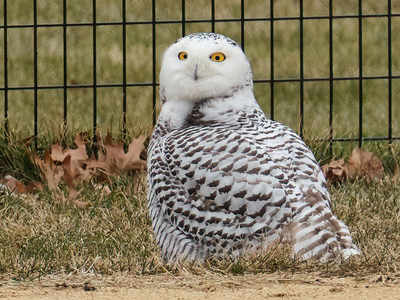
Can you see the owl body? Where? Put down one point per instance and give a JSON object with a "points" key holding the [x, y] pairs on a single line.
{"points": [[223, 179]]}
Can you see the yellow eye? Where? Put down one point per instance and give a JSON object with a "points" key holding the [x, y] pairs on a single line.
{"points": [[182, 55], [217, 57]]}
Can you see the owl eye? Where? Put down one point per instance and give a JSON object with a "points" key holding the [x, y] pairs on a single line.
{"points": [[217, 57], [182, 55]]}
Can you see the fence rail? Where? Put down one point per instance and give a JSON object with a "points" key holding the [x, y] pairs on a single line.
{"points": [[125, 24]]}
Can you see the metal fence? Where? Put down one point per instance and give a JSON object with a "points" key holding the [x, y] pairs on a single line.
{"points": [[270, 79]]}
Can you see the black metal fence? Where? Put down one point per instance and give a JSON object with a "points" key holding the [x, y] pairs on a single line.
{"points": [[270, 79]]}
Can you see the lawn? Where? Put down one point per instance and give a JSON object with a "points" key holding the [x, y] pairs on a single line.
{"points": [[41, 234]]}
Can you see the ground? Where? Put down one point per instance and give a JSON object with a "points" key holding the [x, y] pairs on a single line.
{"points": [[208, 286]]}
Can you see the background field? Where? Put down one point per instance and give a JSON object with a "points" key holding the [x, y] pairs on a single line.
{"points": [[257, 43]]}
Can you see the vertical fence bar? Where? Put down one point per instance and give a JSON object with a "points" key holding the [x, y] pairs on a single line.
{"points": [[330, 78], [124, 69], [301, 70], [360, 74], [212, 15], [183, 18], [5, 66], [153, 37], [242, 24], [390, 71], [94, 21], [271, 36], [65, 62], [35, 74]]}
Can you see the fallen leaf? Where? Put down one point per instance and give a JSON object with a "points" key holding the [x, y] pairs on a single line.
{"points": [[51, 173], [15, 185], [335, 171], [59, 154], [361, 164], [73, 166], [114, 160], [74, 171], [364, 164]]}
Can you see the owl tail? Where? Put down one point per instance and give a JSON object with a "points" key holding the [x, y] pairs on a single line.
{"points": [[316, 233]]}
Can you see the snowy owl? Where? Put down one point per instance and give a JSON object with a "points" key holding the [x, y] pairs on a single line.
{"points": [[223, 179]]}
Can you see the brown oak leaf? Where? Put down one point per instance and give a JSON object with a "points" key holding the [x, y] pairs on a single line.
{"points": [[114, 160], [51, 173], [75, 171], [335, 171], [15, 185], [361, 164], [364, 164], [59, 154]]}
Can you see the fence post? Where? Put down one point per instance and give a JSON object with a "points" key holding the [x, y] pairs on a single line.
{"points": [[153, 37], [301, 71], [124, 69], [330, 78], [212, 15], [35, 74], [65, 62], [5, 65], [94, 31], [271, 34], [390, 71], [360, 74]]}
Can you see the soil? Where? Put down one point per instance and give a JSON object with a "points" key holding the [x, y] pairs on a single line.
{"points": [[205, 286]]}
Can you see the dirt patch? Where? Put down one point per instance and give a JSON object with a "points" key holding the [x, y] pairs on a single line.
{"points": [[208, 286]]}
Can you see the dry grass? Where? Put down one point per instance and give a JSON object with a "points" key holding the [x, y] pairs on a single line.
{"points": [[41, 235]]}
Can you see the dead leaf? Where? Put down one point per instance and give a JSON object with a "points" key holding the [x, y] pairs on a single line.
{"points": [[114, 160], [15, 185], [75, 171], [51, 173], [364, 164], [361, 164], [73, 166], [335, 171], [59, 154]]}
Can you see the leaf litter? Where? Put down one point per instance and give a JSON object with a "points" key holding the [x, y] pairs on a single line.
{"points": [[361, 164], [72, 166]]}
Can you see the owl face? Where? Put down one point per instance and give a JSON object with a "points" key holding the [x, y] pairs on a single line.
{"points": [[202, 66]]}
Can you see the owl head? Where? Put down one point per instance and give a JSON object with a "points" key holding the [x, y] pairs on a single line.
{"points": [[203, 66]]}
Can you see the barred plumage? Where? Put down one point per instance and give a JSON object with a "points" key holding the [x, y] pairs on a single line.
{"points": [[225, 180]]}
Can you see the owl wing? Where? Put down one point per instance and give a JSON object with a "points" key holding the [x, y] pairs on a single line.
{"points": [[218, 190], [315, 231]]}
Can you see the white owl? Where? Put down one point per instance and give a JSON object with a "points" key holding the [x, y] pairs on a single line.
{"points": [[223, 179]]}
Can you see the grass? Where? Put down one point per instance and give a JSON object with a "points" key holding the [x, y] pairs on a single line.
{"points": [[41, 235]]}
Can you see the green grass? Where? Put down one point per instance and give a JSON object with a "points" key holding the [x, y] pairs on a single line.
{"points": [[257, 41]]}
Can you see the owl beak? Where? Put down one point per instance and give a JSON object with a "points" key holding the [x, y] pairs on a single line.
{"points": [[195, 72]]}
